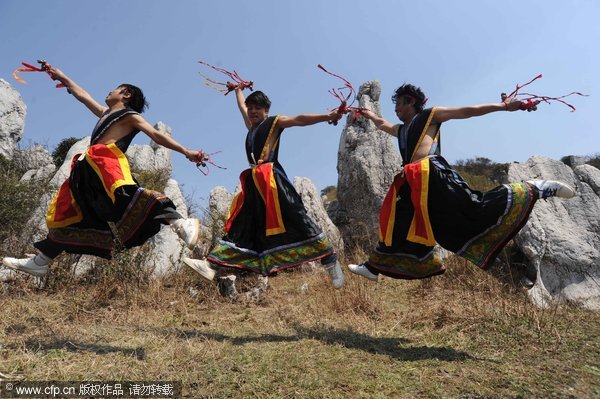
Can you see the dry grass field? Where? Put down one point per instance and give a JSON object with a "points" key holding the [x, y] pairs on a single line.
{"points": [[466, 334]]}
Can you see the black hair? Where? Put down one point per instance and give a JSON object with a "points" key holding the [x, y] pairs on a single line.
{"points": [[259, 98], [137, 101], [410, 91]]}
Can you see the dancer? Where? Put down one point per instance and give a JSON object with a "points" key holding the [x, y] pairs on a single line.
{"points": [[268, 229], [429, 202], [101, 190]]}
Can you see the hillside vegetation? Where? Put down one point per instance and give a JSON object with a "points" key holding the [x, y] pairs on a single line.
{"points": [[465, 334]]}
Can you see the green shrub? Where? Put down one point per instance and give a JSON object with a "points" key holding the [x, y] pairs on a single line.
{"points": [[153, 179], [60, 152], [17, 200], [330, 192], [482, 173]]}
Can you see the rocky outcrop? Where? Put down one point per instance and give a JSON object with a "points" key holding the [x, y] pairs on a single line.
{"points": [[42, 174], [34, 157], [219, 201], [151, 157], [167, 249], [316, 211], [562, 237], [37, 163], [12, 119], [368, 160]]}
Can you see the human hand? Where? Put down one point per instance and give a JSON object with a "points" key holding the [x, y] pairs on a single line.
{"points": [[335, 116], [56, 73], [514, 104], [195, 156], [367, 113]]}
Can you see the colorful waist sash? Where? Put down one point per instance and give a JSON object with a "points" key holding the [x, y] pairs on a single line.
{"points": [[420, 231], [112, 168], [263, 176]]}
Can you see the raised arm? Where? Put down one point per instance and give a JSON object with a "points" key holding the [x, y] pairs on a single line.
{"points": [[381, 123], [139, 123], [443, 114], [241, 102], [307, 119], [80, 94]]}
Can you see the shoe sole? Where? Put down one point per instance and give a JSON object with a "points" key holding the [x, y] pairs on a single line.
{"points": [[196, 236], [11, 267], [375, 278], [565, 192], [207, 274]]}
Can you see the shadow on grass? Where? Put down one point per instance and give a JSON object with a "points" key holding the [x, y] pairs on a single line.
{"points": [[394, 347], [74, 346]]}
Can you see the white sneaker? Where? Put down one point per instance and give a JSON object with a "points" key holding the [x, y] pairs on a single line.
{"points": [[201, 266], [188, 230], [363, 271], [552, 188], [26, 265], [336, 274]]}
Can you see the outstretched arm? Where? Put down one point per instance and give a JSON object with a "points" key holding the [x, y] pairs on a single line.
{"points": [[381, 123], [139, 123], [80, 94], [241, 102], [443, 114], [307, 119]]}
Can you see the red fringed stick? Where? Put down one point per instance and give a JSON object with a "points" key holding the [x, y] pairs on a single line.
{"points": [[338, 93], [531, 101], [204, 159], [44, 67], [229, 86]]}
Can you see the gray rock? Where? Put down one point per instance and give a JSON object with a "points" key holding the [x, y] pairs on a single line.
{"points": [[42, 174], [166, 252], [368, 160], [574, 160], [173, 191], [65, 169], [153, 156], [35, 157], [12, 119], [219, 202], [311, 198], [7, 275], [562, 237]]}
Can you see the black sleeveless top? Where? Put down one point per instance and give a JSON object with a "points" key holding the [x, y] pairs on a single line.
{"points": [[257, 138], [411, 134], [106, 121]]}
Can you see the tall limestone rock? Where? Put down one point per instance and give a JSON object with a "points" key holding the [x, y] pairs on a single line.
{"points": [[368, 160], [12, 119], [562, 237], [313, 203]]}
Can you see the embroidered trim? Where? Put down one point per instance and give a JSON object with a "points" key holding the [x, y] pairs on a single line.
{"points": [[266, 149], [423, 132]]}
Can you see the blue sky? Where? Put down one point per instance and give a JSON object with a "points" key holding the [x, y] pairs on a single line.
{"points": [[460, 52]]}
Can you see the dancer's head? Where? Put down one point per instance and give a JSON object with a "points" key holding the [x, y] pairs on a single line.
{"points": [[409, 96], [258, 105], [131, 96]]}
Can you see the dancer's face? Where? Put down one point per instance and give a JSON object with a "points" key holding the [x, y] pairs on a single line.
{"points": [[404, 106], [256, 113], [119, 94]]}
